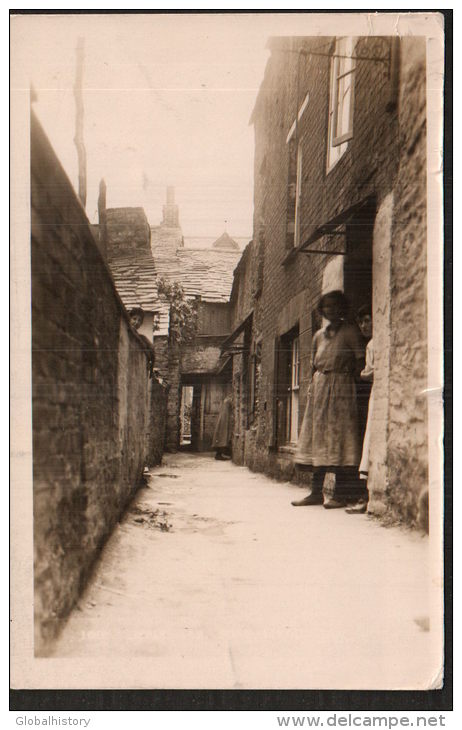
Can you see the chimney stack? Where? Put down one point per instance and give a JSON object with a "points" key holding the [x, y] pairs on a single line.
{"points": [[102, 219], [170, 210]]}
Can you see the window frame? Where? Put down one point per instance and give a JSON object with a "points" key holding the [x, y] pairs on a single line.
{"points": [[294, 392], [254, 370], [295, 179], [337, 144], [287, 389], [338, 139]]}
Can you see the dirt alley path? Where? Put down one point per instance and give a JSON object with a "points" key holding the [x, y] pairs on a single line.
{"points": [[213, 580]]}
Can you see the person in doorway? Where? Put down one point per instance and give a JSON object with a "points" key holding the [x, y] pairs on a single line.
{"points": [[136, 320], [363, 387], [364, 320], [329, 439], [222, 436], [136, 317]]}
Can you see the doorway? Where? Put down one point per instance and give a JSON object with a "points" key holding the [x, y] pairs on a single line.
{"points": [[201, 400], [357, 271], [186, 415], [358, 284], [196, 418]]}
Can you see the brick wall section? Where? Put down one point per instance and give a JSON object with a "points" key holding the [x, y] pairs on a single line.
{"points": [[201, 356], [384, 161], [408, 446], [368, 167], [91, 395]]}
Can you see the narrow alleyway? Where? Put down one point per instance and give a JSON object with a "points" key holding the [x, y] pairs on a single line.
{"points": [[213, 580]]}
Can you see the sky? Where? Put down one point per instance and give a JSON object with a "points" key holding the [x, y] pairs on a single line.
{"points": [[167, 101]]}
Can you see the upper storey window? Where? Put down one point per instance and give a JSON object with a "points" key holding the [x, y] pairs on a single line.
{"points": [[295, 180], [341, 100]]}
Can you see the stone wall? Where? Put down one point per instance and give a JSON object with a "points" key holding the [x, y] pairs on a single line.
{"points": [[156, 435], [201, 356], [92, 396], [408, 433], [168, 365], [127, 229], [378, 468]]}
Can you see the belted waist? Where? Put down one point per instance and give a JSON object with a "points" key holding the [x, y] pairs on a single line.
{"points": [[339, 372]]}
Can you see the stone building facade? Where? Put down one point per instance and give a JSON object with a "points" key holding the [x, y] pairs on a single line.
{"points": [[140, 257], [195, 370], [340, 203]]}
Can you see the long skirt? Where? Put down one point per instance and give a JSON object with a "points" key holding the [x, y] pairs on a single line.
{"points": [[329, 433], [223, 429], [364, 464]]}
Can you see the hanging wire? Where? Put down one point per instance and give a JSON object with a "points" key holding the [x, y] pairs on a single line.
{"points": [[317, 52], [375, 59]]}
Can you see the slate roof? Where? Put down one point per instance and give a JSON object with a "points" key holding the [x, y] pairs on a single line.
{"points": [[203, 272], [202, 242], [135, 279], [207, 273], [130, 260], [136, 283]]}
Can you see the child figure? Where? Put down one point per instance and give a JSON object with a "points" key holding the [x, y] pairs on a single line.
{"points": [[367, 374]]}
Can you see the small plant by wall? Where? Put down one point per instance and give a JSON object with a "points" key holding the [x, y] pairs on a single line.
{"points": [[183, 312]]}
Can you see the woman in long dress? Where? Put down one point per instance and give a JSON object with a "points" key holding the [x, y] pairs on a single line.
{"points": [[329, 438], [223, 433], [367, 375]]}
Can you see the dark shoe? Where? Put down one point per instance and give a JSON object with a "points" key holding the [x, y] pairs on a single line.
{"points": [[308, 500], [357, 509], [333, 504], [220, 457]]}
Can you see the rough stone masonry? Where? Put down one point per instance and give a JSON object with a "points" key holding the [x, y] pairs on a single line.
{"points": [[96, 412]]}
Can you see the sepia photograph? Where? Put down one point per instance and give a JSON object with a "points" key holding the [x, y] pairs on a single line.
{"points": [[227, 338]]}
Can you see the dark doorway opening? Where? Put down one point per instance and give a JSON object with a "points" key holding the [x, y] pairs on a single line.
{"points": [[358, 284], [357, 270], [201, 400], [196, 419]]}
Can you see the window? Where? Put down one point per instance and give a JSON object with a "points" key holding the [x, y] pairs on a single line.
{"points": [[295, 175], [255, 371], [298, 194], [293, 392], [340, 127], [287, 389]]}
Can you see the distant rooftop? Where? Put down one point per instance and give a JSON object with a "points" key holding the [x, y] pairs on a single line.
{"points": [[203, 272], [226, 243], [139, 254]]}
